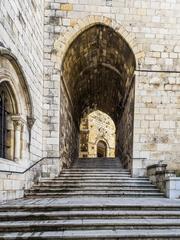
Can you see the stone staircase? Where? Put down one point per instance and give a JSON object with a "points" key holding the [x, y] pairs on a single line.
{"points": [[92, 178], [95, 199]]}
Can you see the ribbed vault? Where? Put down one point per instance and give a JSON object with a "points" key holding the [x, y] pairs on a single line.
{"points": [[98, 71]]}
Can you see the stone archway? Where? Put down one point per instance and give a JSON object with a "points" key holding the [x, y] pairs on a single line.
{"points": [[62, 44], [96, 50], [16, 109], [11, 68]]}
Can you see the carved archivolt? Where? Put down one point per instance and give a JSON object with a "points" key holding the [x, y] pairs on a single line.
{"points": [[16, 108]]}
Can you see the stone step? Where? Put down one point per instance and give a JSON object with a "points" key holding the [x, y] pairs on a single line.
{"points": [[89, 224], [94, 164], [91, 190], [89, 194], [114, 170], [97, 181], [102, 204], [95, 170], [97, 178], [154, 234], [64, 215], [97, 161], [92, 182], [98, 185], [93, 177], [95, 187], [137, 234], [95, 174], [100, 166]]}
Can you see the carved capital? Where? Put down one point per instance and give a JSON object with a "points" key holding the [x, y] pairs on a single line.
{"points": [[18, 121]]}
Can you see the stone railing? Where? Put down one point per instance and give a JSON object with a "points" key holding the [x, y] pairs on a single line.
{"points": [[139, 167], [165, 180], [173, 187], [15, 178], [47, 168]]}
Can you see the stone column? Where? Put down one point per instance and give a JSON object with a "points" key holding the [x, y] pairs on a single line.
{"points": [[18, 123]]}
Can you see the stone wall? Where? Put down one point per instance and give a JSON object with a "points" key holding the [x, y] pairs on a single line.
{"points": [[21, 34], [69, 131], [151, 26], [124, 138], [156, 129]]}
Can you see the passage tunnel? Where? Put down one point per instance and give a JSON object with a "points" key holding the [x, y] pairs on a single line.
{"points": [[97, 73]]}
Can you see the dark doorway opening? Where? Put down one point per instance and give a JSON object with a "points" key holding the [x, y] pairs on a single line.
{"points": [[101, 149]]}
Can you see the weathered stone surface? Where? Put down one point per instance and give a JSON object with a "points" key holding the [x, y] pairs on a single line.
{"points": [[89, 45], [156, 94], [66, 7], [21, 61]]}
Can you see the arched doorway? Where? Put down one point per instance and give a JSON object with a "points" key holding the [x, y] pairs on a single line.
{"points": [[97, 73], [16, 110], [101, 149], [94, 127]]}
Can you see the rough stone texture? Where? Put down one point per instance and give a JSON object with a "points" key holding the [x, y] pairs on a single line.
{"points": [[157, 175], [152, 31], [104, 36], [91, 79], [165, 180], [156, 127], [124, 138], [88, 218], [95, 127], [69, 140], [21, 40], [173, 187]]}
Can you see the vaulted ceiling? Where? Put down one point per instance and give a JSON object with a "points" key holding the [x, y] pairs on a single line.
{"points": [[98, 70]]}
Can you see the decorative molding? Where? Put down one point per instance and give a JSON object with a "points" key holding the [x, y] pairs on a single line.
{"points": [[18, 121]]}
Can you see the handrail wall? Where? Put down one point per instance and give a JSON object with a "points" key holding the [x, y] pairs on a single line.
{"points": [[29, 168]]}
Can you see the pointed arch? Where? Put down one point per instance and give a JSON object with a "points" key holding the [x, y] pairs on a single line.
{"points": [[16, 108], [97, 59], [6, 75], [62, 44]]}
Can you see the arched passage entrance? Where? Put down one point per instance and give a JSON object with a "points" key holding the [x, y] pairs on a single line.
{"points": [[97, 73], [101, 149]]}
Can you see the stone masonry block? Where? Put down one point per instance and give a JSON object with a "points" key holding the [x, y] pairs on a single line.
{"points": [[66, 7]]}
